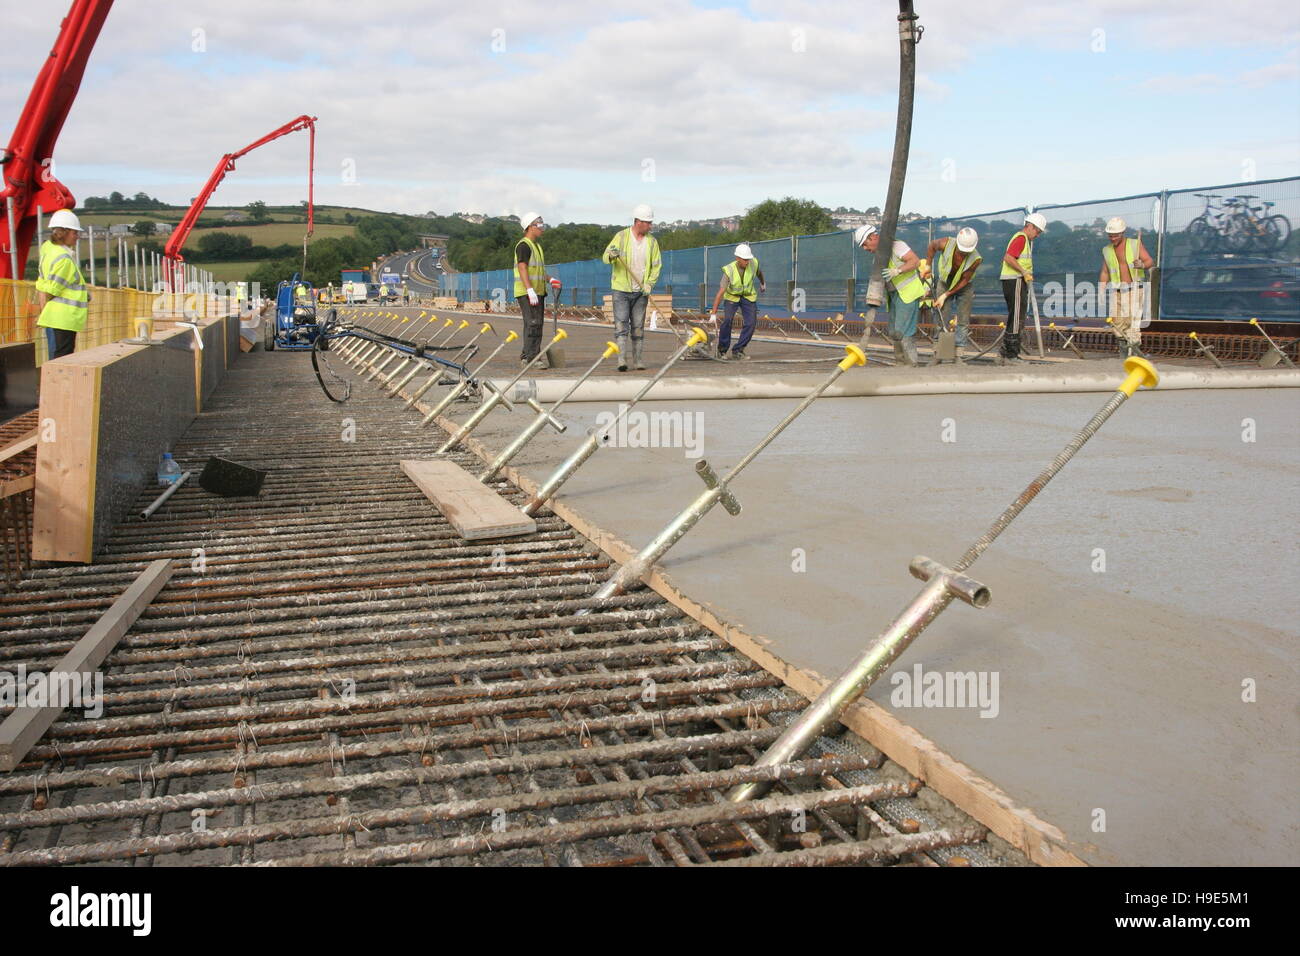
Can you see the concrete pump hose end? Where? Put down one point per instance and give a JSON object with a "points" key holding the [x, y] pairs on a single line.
{"points": [[1141, 374], [610, 349], [698, 336], [512, 336], [854, 356]]}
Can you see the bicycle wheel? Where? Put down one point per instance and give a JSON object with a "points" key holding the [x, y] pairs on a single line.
{"points": [[1239, 233], [329, 371], [1201, 235], [1277, 230]]}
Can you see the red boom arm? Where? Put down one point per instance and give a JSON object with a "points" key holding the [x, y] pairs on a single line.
{"points": [[28, 178], [172, 253]]}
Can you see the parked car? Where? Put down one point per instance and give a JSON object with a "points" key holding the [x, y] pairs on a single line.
{"points": [[1232, 287]]}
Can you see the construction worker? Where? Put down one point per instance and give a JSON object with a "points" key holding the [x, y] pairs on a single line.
{"points": [[1018, 280], [61, 289], [954, 275], [406, 294], [530, 284], [1124, 265], [903, 291], [302, 298], [738, 281], [633, 257]]}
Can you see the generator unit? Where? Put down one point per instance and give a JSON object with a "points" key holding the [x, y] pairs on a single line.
{"points": [[296, 325]]}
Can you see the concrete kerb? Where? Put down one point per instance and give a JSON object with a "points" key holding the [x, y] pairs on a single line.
{"points": [[983, 800]]}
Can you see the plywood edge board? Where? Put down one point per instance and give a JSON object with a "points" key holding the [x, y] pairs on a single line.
{"points": [[471, 507], [1042, 842], [24, 727]]}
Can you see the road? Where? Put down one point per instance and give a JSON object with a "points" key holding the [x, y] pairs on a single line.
{"points": [[418, 268]]}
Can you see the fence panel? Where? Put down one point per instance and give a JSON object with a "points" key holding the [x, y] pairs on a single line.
{"points": [[823, 272], [1230, 252]]}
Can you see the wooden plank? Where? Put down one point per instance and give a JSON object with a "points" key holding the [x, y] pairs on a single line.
{"points": [[474, 509], [64, 519], [22, 728], [20, 445], [17, 485]]}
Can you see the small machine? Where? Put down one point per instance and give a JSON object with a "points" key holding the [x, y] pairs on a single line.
{"points": [[296, 325]]}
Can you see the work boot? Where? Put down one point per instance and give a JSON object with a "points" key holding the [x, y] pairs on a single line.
{"points": [[909, 351], [621, 342], [740, 356], [900, 357], [722, 356], [638, 359]]}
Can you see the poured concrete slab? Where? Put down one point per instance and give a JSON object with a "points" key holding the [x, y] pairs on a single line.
{"points": [[1137, 602]]}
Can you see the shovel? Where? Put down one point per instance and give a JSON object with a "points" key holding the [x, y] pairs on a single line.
{"points": [[555, 356]]}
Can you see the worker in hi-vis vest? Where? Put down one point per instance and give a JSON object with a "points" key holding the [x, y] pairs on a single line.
{"points": [[634, 260], [1018, 280], [742, 281], [61, 289], [530, 284], [1122, 285], [904, 288], [954, 274]]}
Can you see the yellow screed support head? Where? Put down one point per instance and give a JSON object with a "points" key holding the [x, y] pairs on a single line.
{"points": [[853, 356], [486, 328], [1254, 321], [463, 323], [561, 334], [406, 318], [448, 322], [698, 336], [1051, 325], [1141, 374], [512, 336], [610, 349], [1110, 321], [1191, 335]]}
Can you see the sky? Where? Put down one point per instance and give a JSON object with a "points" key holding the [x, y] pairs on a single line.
{"points": [[581, 110]]}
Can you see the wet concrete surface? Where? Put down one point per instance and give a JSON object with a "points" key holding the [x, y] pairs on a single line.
{"points": [[1134, 602]]}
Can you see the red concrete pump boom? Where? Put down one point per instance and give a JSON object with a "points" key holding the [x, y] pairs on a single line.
{"points": [[172, 257], [28, 176]]}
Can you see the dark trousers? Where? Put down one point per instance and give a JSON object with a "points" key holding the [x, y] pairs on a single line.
{"points": [[60, 342], [1016, 293], [534, 319], [749, 319]]}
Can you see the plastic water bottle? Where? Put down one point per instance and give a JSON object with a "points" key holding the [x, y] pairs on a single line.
{"points": [[168, 470]]}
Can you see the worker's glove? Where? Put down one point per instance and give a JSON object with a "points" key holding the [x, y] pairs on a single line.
{"points": [[943, 297], [889, 272], [1029, 277], [713, 317], [556, 284], [532, 296], [613, 253]]}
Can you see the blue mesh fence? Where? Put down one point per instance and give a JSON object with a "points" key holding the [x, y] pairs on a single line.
{"points": [[1225, 252]]}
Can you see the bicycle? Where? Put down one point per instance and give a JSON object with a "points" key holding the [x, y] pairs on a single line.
{"points": [[1252, 225], [1207, 230]]}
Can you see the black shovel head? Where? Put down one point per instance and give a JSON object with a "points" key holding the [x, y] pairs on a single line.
{"points": [[229, 479]]}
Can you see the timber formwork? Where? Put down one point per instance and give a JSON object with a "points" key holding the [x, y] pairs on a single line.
{"points": [[332, 676]]}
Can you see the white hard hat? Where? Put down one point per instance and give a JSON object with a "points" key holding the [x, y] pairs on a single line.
{"points": [[1115, 224], [1037, 219], [65, 219], [862, 234], [966, 239], [744, 252], [528, 218], [644, 213]]}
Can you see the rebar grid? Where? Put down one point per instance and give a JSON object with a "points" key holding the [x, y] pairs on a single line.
{"points": [[333, 676]]}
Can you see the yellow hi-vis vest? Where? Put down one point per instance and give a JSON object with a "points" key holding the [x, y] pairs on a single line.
{"points": [[1026, 259], [740, 285], [60, 278], [973, 258], [909, 285], [1137, 273], [536, 270], [620, 279]]}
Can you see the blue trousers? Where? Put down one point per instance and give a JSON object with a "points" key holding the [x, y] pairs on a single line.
{"points": [[902, 317], [749, 319]]}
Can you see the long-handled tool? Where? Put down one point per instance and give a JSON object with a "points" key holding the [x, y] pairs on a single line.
{"points": [[555, 357], [1038, 327], [545, 416], [1274, 354], [717, 490], [459, 388], [588, 448], [943, 584], [498, 397]]}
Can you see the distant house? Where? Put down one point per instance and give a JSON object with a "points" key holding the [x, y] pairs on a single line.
{"points": [[851, 220], [162, 228], [234, 216], [474, 217], [120, 229]]}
